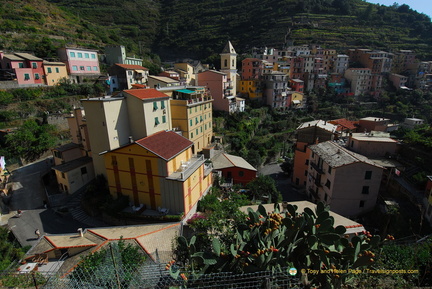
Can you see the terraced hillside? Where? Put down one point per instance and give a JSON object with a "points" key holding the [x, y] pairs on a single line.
{"points": [[200, 28]]}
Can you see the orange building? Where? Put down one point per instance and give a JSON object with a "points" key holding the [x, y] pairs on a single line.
{"points": [[309, 133]]}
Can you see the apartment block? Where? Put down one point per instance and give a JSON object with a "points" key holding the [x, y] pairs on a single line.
{"points": [[309, 133], [348, 182], [360, 80], [126, 75], [81, 63], [192, 115]]}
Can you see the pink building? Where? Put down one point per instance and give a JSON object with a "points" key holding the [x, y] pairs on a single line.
{"points": [[80, 62], [297, 68], [252, 68], [35, 63], [220, 88], [25, 68]]}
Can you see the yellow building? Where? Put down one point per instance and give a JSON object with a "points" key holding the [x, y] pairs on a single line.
{"points": [[54, 72], [191, 113], [296, 98], [158, 171], [251, 88], [285, 68], [186, 72]]}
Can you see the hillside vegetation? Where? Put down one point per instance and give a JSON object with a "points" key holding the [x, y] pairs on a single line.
{"points": [[200, 28]]}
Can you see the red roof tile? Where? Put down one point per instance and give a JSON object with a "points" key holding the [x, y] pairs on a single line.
{"points": [[343, 124], [131, 66], [138, 85], [145, 93], [166, 144]]}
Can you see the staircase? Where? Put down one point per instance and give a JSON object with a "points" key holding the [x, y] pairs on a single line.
{"points": [[74, 206]]}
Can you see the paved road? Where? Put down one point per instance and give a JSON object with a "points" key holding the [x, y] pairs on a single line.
{"points": [[283, 182], [29, 196]]}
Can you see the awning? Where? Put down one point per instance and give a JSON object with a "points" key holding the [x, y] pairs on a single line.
{"points": [[295, 101], [139, 71], [188, 91]]}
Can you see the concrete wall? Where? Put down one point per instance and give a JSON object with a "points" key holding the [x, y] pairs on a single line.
{"points": [[108, 127]]}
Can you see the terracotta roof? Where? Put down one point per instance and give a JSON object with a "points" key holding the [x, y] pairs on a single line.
{"points": [[131, 66], [138, 85], [343, 123], [166, 144], [145, 93]]}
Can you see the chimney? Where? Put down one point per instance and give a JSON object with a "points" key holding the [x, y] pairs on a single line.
{"points": [[80, 230]]}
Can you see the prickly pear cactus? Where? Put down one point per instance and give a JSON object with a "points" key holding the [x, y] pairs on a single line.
{"points": [[277, 240]]}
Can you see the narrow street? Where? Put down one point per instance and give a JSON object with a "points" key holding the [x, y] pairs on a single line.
{"points": [[283, 182], [29, 197]]}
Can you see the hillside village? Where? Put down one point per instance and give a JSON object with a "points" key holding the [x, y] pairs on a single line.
{"points": [[152, 136]]}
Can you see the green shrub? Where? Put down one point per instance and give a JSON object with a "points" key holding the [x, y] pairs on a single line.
{"points": [[6, 97]]}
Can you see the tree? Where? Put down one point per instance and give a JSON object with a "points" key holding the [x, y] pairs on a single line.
{"points": [[31, 140], [113, 264], [254, 158], [287, 166], [264, 187], [218, 212], [9, 251]]}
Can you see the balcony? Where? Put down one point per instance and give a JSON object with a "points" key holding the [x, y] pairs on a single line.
{"points": [[199, 99], [187, 168], [208, 169], [227, 93], [317, 168]]}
